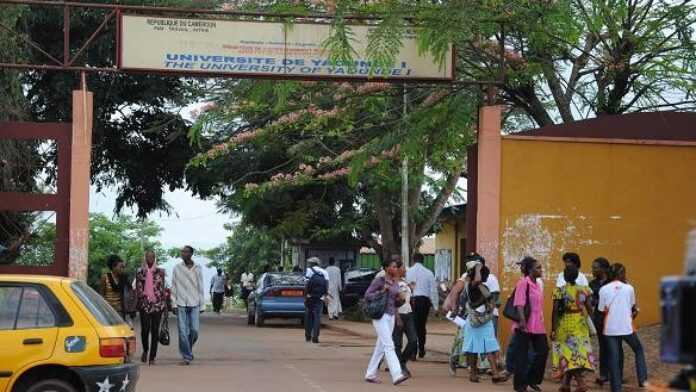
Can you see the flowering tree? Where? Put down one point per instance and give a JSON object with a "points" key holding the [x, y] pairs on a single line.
{"points": [[322, 160]]}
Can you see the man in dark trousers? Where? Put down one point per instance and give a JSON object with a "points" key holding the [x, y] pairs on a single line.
{"points": [[425, 296], [315, 290]]}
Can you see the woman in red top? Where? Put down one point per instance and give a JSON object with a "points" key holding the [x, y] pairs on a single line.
{"points": [[530, 330]]}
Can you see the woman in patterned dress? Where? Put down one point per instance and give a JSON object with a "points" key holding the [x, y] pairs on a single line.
{"points": [[571, 305], [152, 302]]}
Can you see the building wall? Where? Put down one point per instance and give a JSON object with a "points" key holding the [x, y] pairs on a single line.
{"points": [[449, 238], [630, 203]]}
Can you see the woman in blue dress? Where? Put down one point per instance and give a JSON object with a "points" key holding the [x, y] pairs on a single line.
{"points": [[479, 331]]}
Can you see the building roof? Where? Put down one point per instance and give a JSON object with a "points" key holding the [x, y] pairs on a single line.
{"points": [[455, 211], [427, 247], [665, 126]]}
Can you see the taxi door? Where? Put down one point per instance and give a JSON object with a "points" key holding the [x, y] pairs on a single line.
{"points": [[27, 328]]}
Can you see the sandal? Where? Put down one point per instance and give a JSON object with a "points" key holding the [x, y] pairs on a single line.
{"points": [[500, 379], [474, 378], [373, 380]]}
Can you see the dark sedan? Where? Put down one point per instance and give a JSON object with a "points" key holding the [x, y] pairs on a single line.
{"points": [[277, 295], [356, 282]]}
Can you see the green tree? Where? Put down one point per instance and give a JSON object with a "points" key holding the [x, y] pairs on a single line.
{"points": [[322, 160], [123, 235], [247, 249]]}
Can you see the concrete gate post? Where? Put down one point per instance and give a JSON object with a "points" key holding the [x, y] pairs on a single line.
{"points": [[80, 162], [488, 187]]}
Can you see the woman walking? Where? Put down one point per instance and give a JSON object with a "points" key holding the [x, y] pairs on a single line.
{"points": [[479, 330], [570, 330], [389, 284], [152, 302], [530, 330], [113, 284]]}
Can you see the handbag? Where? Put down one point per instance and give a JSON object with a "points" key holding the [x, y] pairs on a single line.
{"points": [[374, 308], [509, 310], [164, 330]]}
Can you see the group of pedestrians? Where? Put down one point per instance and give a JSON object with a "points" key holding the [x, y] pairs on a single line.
{"points": [[148, 296]]}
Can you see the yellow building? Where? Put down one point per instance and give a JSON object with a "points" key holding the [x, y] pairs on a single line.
{"points": [[622, 187], [450, 240]]}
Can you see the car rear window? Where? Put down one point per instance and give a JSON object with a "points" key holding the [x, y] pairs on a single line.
{"points": [[288, 279], [100, 309]]}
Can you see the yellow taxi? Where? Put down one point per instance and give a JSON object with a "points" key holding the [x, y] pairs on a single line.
{"points": [[59, 335]]}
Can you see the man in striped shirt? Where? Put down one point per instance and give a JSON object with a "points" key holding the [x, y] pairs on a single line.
{"points": [[188, 296]]}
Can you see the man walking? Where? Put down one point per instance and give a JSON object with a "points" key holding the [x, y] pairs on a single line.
{"points": [[247, 287], [316, 288], [217, 290], [425, 296], [335, 287], [188, 294]]}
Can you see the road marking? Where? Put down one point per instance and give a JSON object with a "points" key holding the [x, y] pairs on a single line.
{"points": [[306, 378]]}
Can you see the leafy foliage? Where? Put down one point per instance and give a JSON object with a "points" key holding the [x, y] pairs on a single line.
{"points": [[247, 249], [321, 161]]}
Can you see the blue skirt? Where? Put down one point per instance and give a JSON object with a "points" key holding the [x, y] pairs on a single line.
{"points": [[480, 340]]}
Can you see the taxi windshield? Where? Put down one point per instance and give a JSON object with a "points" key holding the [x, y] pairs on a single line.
{"points": [[100, 309]]}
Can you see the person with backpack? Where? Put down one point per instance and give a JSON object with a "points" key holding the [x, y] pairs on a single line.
{"points": [[479, 335], [316, 288]]}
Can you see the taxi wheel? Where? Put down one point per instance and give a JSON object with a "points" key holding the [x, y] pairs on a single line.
{"points": [[52, 385]]}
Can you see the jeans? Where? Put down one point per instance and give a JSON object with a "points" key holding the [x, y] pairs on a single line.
{"points": [[188, 322], [421, 309], [149, 332], [384, 347], [409, 327], [527, 373], [615, 357], [312, 321], [604, 356]]}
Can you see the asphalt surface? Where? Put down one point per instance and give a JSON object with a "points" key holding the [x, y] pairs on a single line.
{"points": [[231, 356]]}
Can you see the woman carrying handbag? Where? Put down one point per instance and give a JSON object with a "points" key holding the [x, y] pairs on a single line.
{"points": [[382, 299], [152, 303]]}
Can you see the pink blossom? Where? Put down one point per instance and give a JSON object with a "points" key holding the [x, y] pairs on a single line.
{"points": [[307, 169], [289, 118], [210, 105], [372, 87], [244, 137], [251, 186], [345, 155], [435, 97], [346, 87]]}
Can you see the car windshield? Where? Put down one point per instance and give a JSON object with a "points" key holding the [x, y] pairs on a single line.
{"points": [[286, 279], [100, 309]]}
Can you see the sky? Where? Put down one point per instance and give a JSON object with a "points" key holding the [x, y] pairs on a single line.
{"points": [[192, 222]]}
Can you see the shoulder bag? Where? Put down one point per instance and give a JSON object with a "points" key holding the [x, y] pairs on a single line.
{"points": [[374, 308], [509, 310]]}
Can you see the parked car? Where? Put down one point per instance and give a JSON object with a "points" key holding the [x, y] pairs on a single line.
{"points": [[277, 295], [57, 334], [356, 281]]}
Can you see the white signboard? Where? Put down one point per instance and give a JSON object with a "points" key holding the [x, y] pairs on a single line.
{"points": [[260, 49]]}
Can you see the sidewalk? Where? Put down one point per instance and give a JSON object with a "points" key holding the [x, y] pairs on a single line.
{"points": [[439, 341]]}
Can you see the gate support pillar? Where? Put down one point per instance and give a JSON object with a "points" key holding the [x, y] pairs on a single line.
{"points": [[80, 162], [488, 185]]}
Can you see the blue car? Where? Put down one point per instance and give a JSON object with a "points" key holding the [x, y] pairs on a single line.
{"points": [[277, 295]]}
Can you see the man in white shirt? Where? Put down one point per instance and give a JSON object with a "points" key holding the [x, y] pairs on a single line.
{"points": [[247, 281], [335, 287], [425, 296], [571, 258], [188, 294], [618, 301], [217, 290]]}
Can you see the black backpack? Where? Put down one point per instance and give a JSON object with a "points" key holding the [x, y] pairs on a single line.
{"points": [[317, 286]]}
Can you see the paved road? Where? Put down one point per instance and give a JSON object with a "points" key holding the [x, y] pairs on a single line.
{"points": [[232, 356]]}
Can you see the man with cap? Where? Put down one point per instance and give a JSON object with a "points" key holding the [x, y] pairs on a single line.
{"points": [[316, 288]]}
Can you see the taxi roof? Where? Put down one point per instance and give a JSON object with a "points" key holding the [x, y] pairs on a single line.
{"points": [[34, 278]]}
